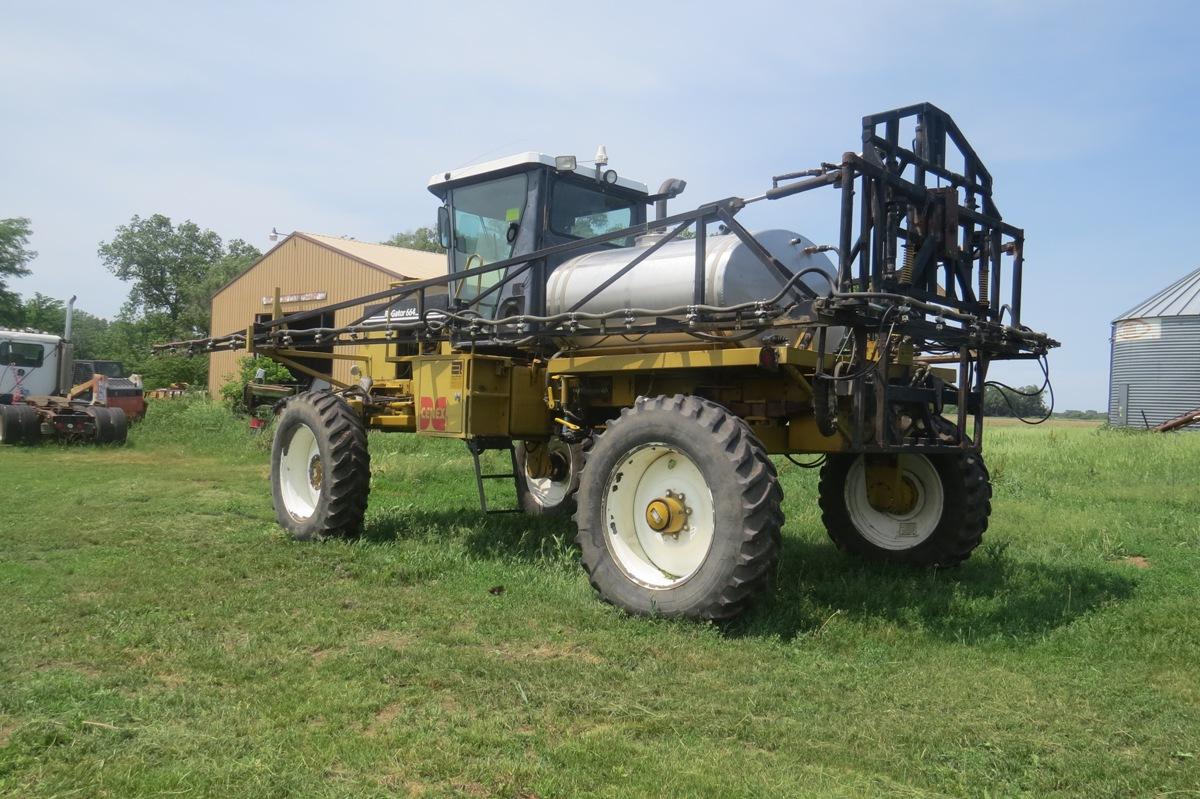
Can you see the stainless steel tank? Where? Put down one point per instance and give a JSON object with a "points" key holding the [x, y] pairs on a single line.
{"points": [[664, 280]]}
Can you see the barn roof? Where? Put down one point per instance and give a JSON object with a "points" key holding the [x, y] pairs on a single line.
{"points": [[402, 262], [1181, 298]]}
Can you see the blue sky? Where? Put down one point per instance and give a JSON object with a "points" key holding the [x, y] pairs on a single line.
{"points": [[330, 118]]}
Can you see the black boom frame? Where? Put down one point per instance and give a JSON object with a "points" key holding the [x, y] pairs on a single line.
{"points": [[922, 257]]}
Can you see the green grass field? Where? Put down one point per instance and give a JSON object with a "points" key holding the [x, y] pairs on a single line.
{"points": [[159, 636]]}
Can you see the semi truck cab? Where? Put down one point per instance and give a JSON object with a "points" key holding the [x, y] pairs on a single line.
{"points": [[29, 364]]}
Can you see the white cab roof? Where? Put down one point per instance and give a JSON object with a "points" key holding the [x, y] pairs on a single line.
{"points": [[518, 160], [25, 335]]}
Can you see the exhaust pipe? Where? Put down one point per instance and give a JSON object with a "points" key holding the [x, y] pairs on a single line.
{"points": [[66, 353], [669, 190]]}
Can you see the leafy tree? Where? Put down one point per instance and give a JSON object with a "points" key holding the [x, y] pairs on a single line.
{"points": [[160, 371], [422, 238], [128, 339], [89, 333], [1026, 402], [169, 267], [233, 393], [1087, 415], [14, 255], [238, 257], [44, 313]]}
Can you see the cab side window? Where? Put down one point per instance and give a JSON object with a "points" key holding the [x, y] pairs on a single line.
{"points": [[21, 353], [582, 212]]}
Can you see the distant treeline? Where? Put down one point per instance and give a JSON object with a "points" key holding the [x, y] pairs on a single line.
{"points": [[172, 270]]}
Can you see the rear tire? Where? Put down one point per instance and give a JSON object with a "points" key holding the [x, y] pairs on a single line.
{"points": [[320, 467], [10, 430], [20, 424], [703, 469], [104, 422], [945, 526], [553, 495], [120, 426]]}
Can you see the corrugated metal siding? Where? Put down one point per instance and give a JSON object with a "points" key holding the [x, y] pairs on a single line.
{"points": [[1162, 375], [296, 267]]}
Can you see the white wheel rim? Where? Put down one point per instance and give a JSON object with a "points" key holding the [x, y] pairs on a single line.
{"points": [[301, 473], [546, 491], [647, 557], [897, 531]]}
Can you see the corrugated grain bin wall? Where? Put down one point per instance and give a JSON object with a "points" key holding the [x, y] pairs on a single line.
{"points": [[1155, 372]]}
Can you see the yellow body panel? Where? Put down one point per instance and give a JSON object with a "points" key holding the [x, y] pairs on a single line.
{"points": [[460, 395], [456, 394]]}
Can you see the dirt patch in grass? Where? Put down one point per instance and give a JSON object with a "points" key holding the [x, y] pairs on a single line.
{"points": [[169, 679], [322, 654], [401, 785], [383, 719], [388, 639], [91, 672], [1136, 561], [120, 455], [6, 731], [543, 652]]}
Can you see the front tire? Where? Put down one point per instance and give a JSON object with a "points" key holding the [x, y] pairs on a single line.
{"points": [[320, 467], [551, 494], [679, 511], [944, 526]]}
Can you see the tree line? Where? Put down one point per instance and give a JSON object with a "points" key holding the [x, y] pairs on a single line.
{"points": [[172, 269]]}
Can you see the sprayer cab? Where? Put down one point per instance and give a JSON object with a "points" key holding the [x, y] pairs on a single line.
{"points": [[517, 205]]}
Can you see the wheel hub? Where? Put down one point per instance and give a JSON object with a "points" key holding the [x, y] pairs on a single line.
{"points": [[890, 489], [560, 468], [667, 514], [898, 498], [316, 473], [542, 462]]}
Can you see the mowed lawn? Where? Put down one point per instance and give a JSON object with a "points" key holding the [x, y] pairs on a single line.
{"points": [[159, 636]]}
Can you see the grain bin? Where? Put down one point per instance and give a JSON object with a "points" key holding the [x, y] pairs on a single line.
{"points": [[1154, 372]]}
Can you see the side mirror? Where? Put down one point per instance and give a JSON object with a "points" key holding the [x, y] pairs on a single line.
{"points": [[443, 227]]}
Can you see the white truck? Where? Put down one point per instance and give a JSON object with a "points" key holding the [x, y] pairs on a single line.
{"points": [[38, 399]]}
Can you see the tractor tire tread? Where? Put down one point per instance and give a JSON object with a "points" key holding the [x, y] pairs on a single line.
{"points": [[757, 556], [967, 483], [348, 474]]}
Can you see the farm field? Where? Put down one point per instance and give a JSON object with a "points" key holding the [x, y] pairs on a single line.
{"points": [[160, 636]]}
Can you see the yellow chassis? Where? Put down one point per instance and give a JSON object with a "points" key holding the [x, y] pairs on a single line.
{"points": [[455, 393], [466, 395]]}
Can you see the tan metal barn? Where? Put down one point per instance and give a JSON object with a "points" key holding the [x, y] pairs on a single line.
{"points": [[310, 271]]}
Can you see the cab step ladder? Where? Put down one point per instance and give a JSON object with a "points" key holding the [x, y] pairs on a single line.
{"points": [[478, 446]]}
